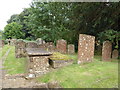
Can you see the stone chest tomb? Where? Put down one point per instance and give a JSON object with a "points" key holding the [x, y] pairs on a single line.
{"points": [[37, 62]]}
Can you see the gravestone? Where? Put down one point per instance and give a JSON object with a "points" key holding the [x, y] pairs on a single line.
{"points": [[61, 46], [12, 42], [20, 49], [106, 51], [40, 41], [71, 49], [85, 48], [115, 54], [31, 45], [37, 62], [2, 43], [50, 46]]}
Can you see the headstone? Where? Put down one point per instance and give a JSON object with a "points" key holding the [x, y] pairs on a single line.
{"points": [[2, 43], [71, 49], [106, 51], [61, 46], [31, 45], [85, 48], [20, 49], [115, 54], [40, 41], [12, 42], [37, 62]]}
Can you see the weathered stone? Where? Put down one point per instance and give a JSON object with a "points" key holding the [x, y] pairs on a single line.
{"points": [[106, 51], [85, 48], [31, 45], [13, 42], [2, 43], [71, 49], [44, 86], [49, 46], [61, 46], [60, 63], [20, 49], [54, 84], [37, 62], [40, 41], [115, 54]]}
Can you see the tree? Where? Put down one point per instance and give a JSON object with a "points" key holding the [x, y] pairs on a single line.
{"points": [[13, 30]]}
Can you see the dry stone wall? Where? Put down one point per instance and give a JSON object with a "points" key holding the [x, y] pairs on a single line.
{"points": [[71, 49], [115, 54], [106, 51], [61, 46], [85, 48]]}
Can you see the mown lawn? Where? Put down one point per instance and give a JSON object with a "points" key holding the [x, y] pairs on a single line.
{"points": [[3, 50], [96, 74], [12, 64]]}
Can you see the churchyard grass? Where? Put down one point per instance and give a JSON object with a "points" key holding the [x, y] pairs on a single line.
{"points": [[12, 64], [4, 50], [97, 74]]}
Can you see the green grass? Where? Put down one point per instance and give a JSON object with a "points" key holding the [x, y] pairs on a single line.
{"points": [[96, 74], [14, 65], [4, 50]]}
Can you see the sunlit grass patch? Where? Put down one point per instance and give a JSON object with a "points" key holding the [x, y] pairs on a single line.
{"points": [[14, 65]]}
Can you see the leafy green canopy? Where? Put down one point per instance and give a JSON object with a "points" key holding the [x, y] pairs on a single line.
{"points": [[56, 20], [13, 30]]}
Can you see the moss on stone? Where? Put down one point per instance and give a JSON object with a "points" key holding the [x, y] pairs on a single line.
{"points": [[59, 56]]}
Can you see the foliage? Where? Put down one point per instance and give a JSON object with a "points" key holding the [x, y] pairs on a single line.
{"points": [[66, 20], [13, 30], [110, 35]]}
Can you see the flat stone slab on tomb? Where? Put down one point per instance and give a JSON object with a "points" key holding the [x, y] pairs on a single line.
{"points": [[37, 51]]}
